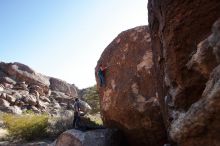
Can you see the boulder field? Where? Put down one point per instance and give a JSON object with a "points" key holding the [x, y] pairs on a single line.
{"points": [[21, 89]]}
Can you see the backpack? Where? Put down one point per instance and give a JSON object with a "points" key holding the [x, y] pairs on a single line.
{"points": [[76, 106]]}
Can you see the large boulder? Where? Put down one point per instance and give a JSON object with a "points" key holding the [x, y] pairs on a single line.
{"points": [[84, 106], [62, 86], [4, 104], [22, 73], [20, 86], [101, 137], [176, 29], [5, 107], [14, 110], [128, 101], [4, 79], [10, 98], [61, 97], [183, 68], [35, 88], [200, 124]]}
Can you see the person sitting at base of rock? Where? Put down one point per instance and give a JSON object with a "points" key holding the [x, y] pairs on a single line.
{"points": [[101, 74], [76, 108]]}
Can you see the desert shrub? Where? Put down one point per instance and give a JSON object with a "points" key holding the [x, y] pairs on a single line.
{"points": [[61, 123], [27, 127], [28, 112]]}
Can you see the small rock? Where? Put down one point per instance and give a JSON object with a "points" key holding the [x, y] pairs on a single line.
{"points": [[36, 93], [17, 95], [35, 109], [6, 85], [45, 99], [35, 89], [7, 80], [1, 124], [3, 95], [49, 93], [31, 100], [43, 110], [15, 110], [41, 105], [57, 106], [20, 86], [63, 104], [4, 104], [1, 88], [10, 98], [19, 102]]}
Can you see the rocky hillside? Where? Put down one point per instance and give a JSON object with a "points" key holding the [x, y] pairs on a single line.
{"points": [[128, 101], [22, 89]]}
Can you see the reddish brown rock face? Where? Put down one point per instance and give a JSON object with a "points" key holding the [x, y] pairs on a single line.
{"points": [[176, 29], [128, 100], [183, 68], [200, 124]]}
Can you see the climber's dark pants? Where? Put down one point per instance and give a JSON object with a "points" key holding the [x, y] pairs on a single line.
{"points": [[76, 120], [102, 80]]}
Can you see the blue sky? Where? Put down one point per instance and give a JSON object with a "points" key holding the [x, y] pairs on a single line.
{"points": [[64, 38]]}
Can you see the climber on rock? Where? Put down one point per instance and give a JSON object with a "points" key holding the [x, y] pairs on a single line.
{"points": [[101, 74]]}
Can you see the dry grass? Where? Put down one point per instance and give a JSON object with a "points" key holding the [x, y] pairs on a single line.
{"points": [[27, 127]]}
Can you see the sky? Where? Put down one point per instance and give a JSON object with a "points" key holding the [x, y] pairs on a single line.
{"points": [[64, 38]]}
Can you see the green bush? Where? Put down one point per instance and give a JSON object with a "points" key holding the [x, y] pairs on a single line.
{"points": [[27, 127]]}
